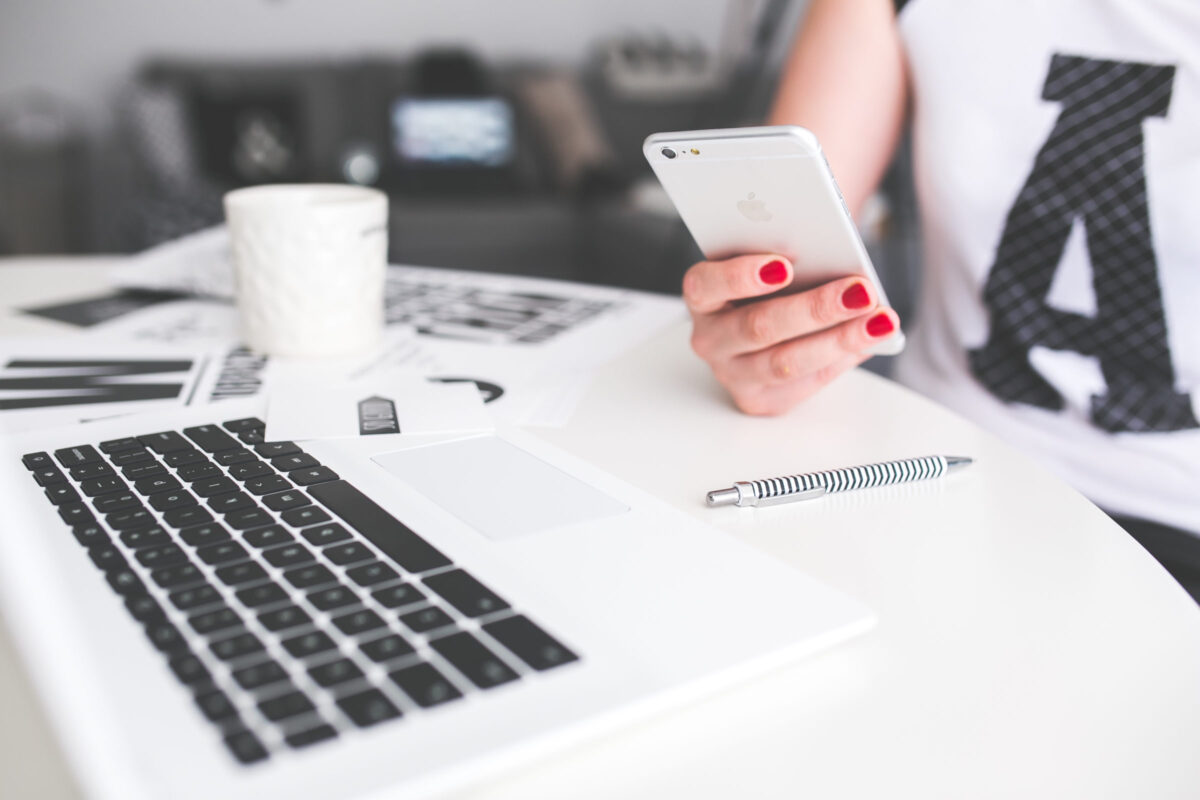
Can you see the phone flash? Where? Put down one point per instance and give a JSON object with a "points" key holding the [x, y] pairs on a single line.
{"points": [[695, 152]]}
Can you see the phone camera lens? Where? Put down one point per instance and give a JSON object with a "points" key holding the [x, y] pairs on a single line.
{"points": [[668, 152]]}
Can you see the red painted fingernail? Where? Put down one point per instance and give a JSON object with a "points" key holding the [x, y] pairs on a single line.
{"points": [[880, 325], [774, 272], [856, 296]]}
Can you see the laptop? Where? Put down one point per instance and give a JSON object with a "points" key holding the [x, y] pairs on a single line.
{"points": [[208, 614]]}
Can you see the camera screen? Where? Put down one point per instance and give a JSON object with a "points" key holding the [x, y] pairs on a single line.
{"points": [[475, 131]]}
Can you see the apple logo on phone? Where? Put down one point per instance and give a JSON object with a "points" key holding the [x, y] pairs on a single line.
{"points": [[754, 210]]}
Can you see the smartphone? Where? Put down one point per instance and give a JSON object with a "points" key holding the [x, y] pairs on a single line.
{"points": [[765, 190]]}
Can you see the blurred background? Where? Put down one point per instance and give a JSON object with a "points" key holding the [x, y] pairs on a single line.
{"points": [[508, 135]]}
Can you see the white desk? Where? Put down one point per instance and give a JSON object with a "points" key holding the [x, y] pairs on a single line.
{"points": [[1027, 647]]}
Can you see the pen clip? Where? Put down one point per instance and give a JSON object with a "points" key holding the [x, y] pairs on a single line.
{"points": [[790, 497]]}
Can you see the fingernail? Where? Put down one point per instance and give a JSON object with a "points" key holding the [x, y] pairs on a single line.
{"points": [[880, 325], [856, 296], [774, 272]]}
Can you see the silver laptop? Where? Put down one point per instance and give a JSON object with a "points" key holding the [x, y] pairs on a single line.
{"points": [[207, 614]]}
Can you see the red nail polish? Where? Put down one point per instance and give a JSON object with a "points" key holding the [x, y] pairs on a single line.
{"points": [[880, 325], [856, 296], [774, 272]]}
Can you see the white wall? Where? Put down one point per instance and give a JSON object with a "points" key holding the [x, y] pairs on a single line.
{"points": [[80, 50]]}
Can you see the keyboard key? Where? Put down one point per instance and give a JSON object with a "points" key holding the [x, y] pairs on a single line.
{"points": [[267, 484], [211, 438], [208, 621], [249, 469], [309, 515], [76, 456], [99, 486], [311, 736], [288, 555], [189, 669], [163, 635], [165, 501], [248, 518], [307, 644], [132, 457], [287, 705], [386, 648], [198, 471], [201, 535], [120, 445], [470, 657], [282, 501], [216, 705], [164, 555], [397, 596], [129, 519], [90, 535], [48, 476], [159, 483], [252, 436], [79, 514], [214, 487], [368, 708], [335, 597], [325, 534], [236, 647], [531, 644], [177, 576], [379, 527], [107, 557], [61, 493], [245, 746], [135, 472], [371, 574], [350, 553], [465, 593], [312, 575], [186, 517], [335, 672], [116, 501], [357, 622], [195, 597], [427, 619], [165, 442], [284, 618], [294, 461], [245, 424], [238, 574], [183, 457], [145, 537], [37, 461], [276, 449], [229, 503], [143, 608], [313, 475], [262, 595], [88, 471], [270, 536], [257, 675], [425, 685], [227, 458], [125, 582], [221, 553]]}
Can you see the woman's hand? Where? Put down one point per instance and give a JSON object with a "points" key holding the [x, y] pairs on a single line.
{"points": [[772, 353]]}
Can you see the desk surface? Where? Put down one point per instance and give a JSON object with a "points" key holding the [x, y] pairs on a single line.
{"points": [[1026, 646]]}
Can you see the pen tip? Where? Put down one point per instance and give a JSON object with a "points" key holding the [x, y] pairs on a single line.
{"points": [[722, 497], [958, 461]]}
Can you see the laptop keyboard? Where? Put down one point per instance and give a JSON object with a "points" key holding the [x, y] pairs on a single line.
{"points": [[293, 607]]}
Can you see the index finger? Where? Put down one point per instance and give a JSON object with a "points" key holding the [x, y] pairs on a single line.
{"points": [[711, 285]]}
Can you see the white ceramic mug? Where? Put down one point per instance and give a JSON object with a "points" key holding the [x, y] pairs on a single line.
{"points": [[310, 261]]}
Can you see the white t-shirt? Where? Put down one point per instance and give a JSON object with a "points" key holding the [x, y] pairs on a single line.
{"points": [[1057, 159]]}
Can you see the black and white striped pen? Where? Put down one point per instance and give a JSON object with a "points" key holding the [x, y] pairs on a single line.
{"points": [[788, 489]]}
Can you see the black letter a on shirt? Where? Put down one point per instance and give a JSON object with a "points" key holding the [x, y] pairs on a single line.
{"points": [[1092, 166]]}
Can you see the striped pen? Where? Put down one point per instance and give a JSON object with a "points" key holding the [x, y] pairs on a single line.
{"points": [[788, 489]]}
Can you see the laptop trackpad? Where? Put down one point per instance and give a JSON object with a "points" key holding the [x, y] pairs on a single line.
{"points": [[497, 488]]}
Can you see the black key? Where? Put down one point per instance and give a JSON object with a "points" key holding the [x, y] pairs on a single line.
{"points": [[129, 519], [294, 461], [236, 647], [177, 576], [312, 575], [387, 648], [165, 442], [227, 458], [245, 572], [99, 486], [86, 472], [213, 487], [357, 622], [163, 635], [120, 445], [383, 530], [470, 657], [90, 535], [107, 557], [116, 501], [258, 675], [276, 449], [132, 457], [76, 514], [143, 608], [335, 672], [183, 457], [334, 597], [221, 553], [371, 574], [325, 534], [396, 596], [198, 471], [248, 518], [210, 438], [216, 705], [61, 493], [312, 475], [77, 456], [245, 746], [465, 593], [348, 553], [310, 736], [48, 476], [125, 582], [309, 515], [187, 599], [136, 472], [37, 461], [201, 535], [245, 424], [269, 536], [267, 484], [288, 555], [368, 708], [165, 555], [282, 501], [307, 644], [186, 517], [262, 595], [250, 469], [159, 483], [251, 436], [165, 501], [426, 619], [284, 618], [145, 537], [229, 503], [189, 669], [425, 685], [216, 620], [532, 645]]}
